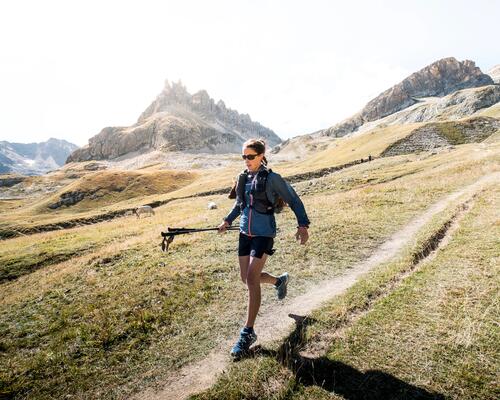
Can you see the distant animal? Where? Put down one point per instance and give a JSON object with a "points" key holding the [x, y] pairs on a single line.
{"points": [[212, 206], [147, 210]]}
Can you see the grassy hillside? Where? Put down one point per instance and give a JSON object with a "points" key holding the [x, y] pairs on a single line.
{"points": [[356, 147], [103, 191], [114, 190], [109, 187], [109, 191], [99, 312], [411, 329]]}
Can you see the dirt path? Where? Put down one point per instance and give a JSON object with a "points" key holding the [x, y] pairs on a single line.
{"points": [[273, 321]]}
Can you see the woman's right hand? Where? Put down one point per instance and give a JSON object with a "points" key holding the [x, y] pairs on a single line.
{"points": [[302, 234], [223, 226]]}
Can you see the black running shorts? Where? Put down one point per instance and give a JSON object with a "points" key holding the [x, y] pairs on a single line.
{"points": [[255, 246]]}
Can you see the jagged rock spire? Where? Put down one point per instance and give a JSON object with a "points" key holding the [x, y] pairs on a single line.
{"points": [[178, 121]]}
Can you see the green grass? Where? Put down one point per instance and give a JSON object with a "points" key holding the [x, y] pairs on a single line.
{"points": [[261, 378], [454, 132], [439, 329], [435, 333], [123, 316], [23, 255]]}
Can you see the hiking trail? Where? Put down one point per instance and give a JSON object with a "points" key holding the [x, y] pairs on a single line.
{"points": [[273, 321]]}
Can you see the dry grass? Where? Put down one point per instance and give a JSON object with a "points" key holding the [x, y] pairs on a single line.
{"points": [[121, 315], [435, 334], [112, 190], [117, 188], [439, 330], [354, 148], [109, 187]]}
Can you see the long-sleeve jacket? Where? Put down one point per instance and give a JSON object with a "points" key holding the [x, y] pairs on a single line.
{"points": [[252, 222]]}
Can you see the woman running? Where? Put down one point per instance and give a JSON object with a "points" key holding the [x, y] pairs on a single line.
{"points": [[257, 192]]}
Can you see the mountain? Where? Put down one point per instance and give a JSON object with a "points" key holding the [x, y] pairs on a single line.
{"points": [[417, 102], [438, 79], [34, 158], [178, 121], [494, 73]]}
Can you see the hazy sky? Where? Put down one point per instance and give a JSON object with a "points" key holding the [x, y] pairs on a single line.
{"points": [[70, 68]]}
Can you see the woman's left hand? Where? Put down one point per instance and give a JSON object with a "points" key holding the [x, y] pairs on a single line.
{"points": [[302, 234]]}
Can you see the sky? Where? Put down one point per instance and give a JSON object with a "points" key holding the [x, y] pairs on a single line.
{"points": [[70, 68]]}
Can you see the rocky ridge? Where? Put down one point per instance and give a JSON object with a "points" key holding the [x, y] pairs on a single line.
{"points": [[455, 106], [437, 79], [178, 121], [441, 134]]}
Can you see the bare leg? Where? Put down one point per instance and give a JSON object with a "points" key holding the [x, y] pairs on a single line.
{"points": [[244, 262], [253, 280], [265, 277]]}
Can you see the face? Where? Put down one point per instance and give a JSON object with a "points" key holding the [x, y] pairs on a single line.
{"points": [[252, 165]]}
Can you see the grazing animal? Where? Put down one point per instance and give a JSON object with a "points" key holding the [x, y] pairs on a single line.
{"points": [[212, 206], [147, 210]]}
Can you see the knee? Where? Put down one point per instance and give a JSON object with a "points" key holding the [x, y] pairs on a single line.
{"points": [[253, 280]]}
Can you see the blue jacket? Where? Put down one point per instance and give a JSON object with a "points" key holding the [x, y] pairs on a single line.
{"points": [[253, 223]]}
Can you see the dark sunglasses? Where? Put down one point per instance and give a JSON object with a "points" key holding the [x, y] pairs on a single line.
{"points": [[249, 156]]}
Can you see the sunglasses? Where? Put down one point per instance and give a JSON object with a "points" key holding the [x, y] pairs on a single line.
{"points": [[249, 156]]}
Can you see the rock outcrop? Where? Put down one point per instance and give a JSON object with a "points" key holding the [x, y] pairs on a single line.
{"points": [[440, 134], [69, 198], [9, 181], [457, 105], [178, 121], [438, 79], [494, 73]]}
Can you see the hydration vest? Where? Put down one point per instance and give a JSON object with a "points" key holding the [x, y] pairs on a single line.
{"points": [[260, 203]]}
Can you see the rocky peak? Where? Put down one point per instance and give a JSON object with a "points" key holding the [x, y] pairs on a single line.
{"points": [[172, 94], [201, 101], [221, 105], [178, 121], [437, 79]]}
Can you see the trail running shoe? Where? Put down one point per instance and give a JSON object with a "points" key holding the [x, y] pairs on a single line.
{"points": [[243, 344], [281, 289]]}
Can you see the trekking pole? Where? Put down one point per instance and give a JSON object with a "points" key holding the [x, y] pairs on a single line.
{"points": [[168, 237]]}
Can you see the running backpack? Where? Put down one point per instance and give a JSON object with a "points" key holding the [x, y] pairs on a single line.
{"points": [[262, 203]]}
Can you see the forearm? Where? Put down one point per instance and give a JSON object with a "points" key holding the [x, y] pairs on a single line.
{"points": [[288, 194], [300, 212], [233, 214]]}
